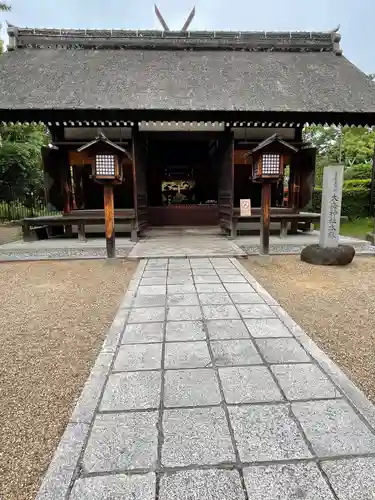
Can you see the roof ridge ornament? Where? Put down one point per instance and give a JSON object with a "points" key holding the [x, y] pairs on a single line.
{"points": [[165, 25], [336, 30]]}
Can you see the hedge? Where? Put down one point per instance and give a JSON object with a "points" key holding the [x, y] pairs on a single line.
{"points": [[355, 202], [357, 183], [363, 171]]}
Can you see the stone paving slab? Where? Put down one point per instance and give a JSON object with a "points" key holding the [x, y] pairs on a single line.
{"points": [[196, 436], [191, 388], [186, 246], [304, 381], [186, 355], [143, 333], [282, 351], [138, 357], [132, 391], [234, 352], [115, 487], [211, 484], [147, 314], [227, 329], [122, 441], [260, 328], [183, 299], [267, 433], [184, 331], [209, 390], [352, 479], [288, 481], [257, 385], [214, 299], [149, 301], [333, 428]]}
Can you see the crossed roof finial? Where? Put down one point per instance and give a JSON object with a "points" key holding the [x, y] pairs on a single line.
{"points": [[165, 25]]}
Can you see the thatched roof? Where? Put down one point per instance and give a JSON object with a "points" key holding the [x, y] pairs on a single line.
{"points": [[193, 71]]}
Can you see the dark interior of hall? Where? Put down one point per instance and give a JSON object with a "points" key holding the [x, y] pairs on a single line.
{"points": [[180, 172]]}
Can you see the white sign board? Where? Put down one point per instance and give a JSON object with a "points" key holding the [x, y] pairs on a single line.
{"points": [[331, 206], [245, 208]]}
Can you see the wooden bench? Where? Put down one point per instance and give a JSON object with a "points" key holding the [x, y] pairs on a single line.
{"points": [[79, 218], [277, 215]]}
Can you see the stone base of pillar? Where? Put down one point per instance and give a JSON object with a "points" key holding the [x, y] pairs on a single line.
{"points": [[336, 256]]}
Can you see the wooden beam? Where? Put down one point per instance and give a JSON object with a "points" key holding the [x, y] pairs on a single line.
{"points": [[66, 188], [161, 19], [109, 215], [188, 20], [265, 219]]}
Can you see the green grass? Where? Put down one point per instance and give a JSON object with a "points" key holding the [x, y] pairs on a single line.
{"points": [[357, 228]]}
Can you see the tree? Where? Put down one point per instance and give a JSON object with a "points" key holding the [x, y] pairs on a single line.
{"points": [[21, 172], [350, 146]]}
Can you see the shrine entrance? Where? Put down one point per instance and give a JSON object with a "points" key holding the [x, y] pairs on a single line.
{"points": [[182, 180]]}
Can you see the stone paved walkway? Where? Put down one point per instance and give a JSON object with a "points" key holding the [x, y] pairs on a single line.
{"points": [[206, 389], [186, 245]]}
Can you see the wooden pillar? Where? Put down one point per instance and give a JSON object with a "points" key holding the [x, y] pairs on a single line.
{"points": [[293, 195], [66, 189], [265, 219], [293, 189], [109, 215]]}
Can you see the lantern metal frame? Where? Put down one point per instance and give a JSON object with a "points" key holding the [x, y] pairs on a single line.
{"points": [[268, 159], [107, 159]]}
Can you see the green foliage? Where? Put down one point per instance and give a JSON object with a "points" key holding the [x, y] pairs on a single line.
{"points": [[363, 171], [21, 173], [355, 202], [346, 145], [15, 210], [357, 228], [357, 183]]}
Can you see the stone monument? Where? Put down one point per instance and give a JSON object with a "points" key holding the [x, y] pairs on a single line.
{"points": [[329, 252]]}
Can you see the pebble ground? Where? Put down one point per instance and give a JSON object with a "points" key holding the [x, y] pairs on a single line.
{"points": [[334, 305], [53, 316]]}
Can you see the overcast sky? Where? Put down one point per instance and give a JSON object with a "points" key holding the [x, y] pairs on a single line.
{"points": [[355, 17]]}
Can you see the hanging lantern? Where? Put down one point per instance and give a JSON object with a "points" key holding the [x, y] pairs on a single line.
{"points": [[107, 157], [268, 159]]}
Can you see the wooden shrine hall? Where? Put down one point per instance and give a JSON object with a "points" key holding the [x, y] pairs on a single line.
{"points": [[186, 109]]}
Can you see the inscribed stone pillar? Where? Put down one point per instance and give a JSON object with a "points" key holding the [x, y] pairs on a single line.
{"points": [[331, 206]]}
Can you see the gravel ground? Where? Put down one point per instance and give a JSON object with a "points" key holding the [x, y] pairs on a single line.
{"points": [[53, 319], [367, 249], [334, 305], [9, 233], [59, 253]]}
